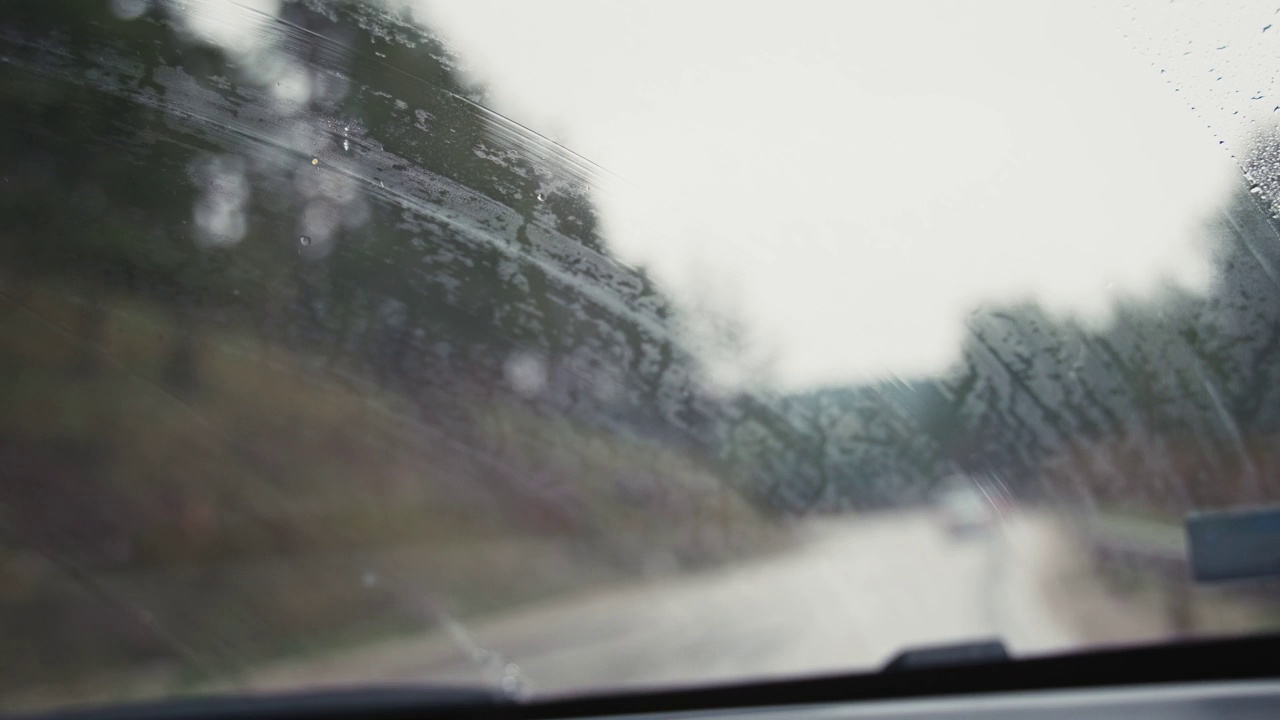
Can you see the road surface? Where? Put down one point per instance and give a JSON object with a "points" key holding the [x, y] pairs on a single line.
{"points": [[848, 596]]}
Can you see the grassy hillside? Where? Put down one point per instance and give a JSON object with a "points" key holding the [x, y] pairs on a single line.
{"points": [[279, 505]]}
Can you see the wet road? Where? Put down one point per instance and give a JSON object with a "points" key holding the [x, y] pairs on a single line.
{"points": [[848, 596]]}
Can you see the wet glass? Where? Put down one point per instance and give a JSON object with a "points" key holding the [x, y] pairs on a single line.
{"points": [[570, 346]]}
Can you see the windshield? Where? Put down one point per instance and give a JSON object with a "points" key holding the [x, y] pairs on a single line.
{"points": [[570, 346]]}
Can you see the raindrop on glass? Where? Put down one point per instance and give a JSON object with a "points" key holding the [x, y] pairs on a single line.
{"points": [[303, 240], [315, 161], [346, 146], [512, 680], [541, 197], [129, 9]]}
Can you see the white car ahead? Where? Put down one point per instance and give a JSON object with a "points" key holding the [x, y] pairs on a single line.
{"points": [[965, 509]]}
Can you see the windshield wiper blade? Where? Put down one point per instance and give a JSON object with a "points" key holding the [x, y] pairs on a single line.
{"points": [[417, 701], [980, 652]]}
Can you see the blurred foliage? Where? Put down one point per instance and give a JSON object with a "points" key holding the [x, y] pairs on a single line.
{"points": [[1171, 406], [276, 366]]}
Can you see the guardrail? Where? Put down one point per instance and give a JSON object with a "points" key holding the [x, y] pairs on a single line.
{"points": [[1155, 551], [1135, 547], [1127, 543]]}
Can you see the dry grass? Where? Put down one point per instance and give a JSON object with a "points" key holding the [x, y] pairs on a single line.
{"points": [[273, 511]]}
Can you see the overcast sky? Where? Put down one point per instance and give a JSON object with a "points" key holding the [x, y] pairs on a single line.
{"points": [[853, 178], [850, 180]]}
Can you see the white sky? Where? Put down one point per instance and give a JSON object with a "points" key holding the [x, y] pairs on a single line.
{"points": [[852, 179]]}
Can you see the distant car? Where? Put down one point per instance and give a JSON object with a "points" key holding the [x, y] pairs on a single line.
{"points": [[965, 509]]}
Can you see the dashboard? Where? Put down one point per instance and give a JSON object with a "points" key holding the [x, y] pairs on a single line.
{"points": [[1235, 701]]}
